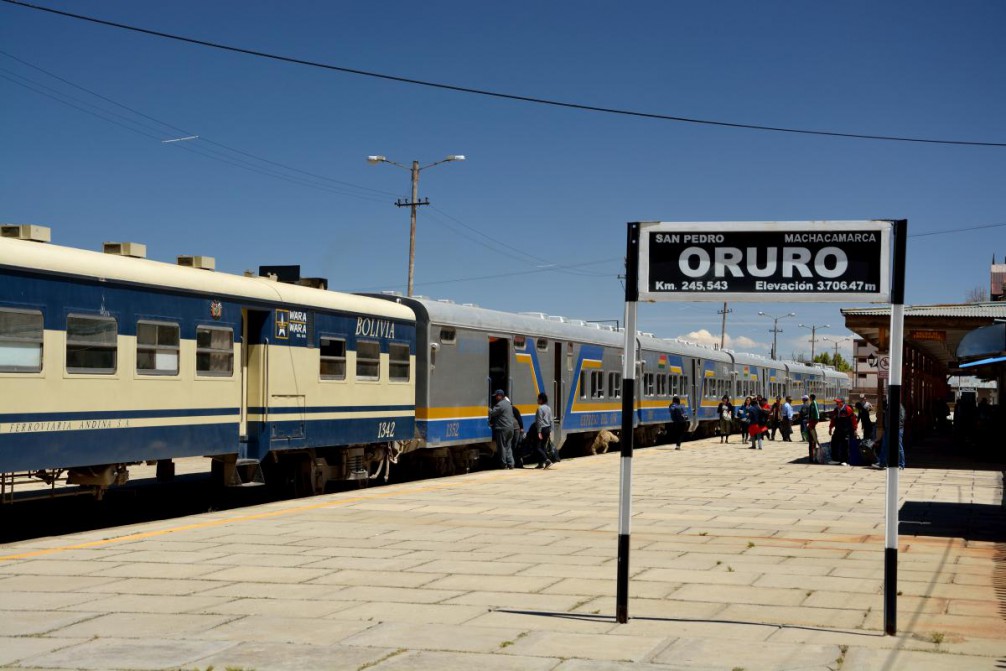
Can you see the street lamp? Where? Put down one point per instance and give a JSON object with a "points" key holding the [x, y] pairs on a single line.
{"points": [[374, 160], [837, 341], [813, 335], [775, 330]]}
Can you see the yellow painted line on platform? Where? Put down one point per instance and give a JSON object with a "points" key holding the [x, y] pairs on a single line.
{"points": [[240, 518]]}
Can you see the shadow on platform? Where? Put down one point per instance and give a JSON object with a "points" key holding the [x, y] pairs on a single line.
{"points": [[968, 521], [591, 617]]}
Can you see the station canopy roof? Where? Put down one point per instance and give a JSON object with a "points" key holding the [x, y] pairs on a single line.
{"points": [[936, 330]]}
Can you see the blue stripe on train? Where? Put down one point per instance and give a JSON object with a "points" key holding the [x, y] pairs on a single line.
{"points": [[87, 447], [114, 414], [65, 449], [443, 431], [296, 434]]}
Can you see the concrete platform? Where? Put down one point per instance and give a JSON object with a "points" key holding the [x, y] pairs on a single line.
{"points": [[740, 559]]}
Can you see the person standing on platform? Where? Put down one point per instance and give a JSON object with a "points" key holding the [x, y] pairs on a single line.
{"points": [[841, 429], [517, 445], [786, 420], [813, 417], [884, 442], [678, 424], [804, 414], [503, 425], [725, 412], [742, 414], [543, 426], [758, 415], [773, 417], [863, 408]]}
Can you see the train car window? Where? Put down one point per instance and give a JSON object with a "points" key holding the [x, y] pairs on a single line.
{"points": [[614, 385], [398, 357], [648, 384], [368, 360], [583, 386], [91, 344], [156, 348], [448, 336], [542, 345], [520, 342], [214, 351], [597, 384], [20, 341], [333, 358], [662, 385]]}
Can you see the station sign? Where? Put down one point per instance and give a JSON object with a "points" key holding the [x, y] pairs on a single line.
{"points": [[927, 334], [765, 261]]}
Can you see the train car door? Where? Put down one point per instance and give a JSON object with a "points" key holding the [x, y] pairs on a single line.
{"points": [[255, 380], [698, 378], [499, 366], [557, 394]]}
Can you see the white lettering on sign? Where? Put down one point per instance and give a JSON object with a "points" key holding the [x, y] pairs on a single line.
{"points": [[291, 323], [827, 260], [375, 328], [733, 261], [807, 238]]}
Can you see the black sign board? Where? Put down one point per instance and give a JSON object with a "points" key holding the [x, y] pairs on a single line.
{"points": [[765, 261]]}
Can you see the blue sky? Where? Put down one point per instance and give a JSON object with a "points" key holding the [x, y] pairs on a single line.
{"points": [[534, 219]]}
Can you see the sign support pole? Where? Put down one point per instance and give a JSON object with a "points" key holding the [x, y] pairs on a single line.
{"points": [[892, 426], [628, 414]]}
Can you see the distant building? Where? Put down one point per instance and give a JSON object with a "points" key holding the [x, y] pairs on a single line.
{"points": [[997, 281], [864, 376]]}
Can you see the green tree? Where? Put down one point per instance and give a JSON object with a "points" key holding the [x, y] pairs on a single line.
{"points": [[837, 361]]}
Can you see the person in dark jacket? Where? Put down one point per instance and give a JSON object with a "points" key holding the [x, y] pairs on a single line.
{"points": [[863, 408], [678, 424], [841, 429], [504, 425]]}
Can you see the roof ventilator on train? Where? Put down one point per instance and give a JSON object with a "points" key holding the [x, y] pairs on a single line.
{"points": [[202, 262], [26, 232], [134, 250]]}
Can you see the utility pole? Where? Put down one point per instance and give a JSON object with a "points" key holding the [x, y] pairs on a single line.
{"points": [[775, 330], [813, 335], [723, 326], [837, 341], [412, 220], [414, 203]]}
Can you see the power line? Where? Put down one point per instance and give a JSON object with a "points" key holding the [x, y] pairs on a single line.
{"points": [[957, 230], [207, 152], [499, 275], [514, 253], [496, 94]]}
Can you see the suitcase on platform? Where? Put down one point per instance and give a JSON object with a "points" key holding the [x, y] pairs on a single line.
{"points": [[866, 452], [822, 453]]}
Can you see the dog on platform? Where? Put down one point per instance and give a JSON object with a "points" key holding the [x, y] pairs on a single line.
{"points": [[602, 441]]}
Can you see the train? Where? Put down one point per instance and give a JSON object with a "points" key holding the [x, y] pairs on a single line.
{"points": [[109, 359]]}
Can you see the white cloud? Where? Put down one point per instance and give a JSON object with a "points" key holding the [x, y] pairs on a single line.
{"points": [[742, 343]]}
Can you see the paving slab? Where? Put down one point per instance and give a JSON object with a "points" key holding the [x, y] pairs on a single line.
{"points": [[120, 653]]}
